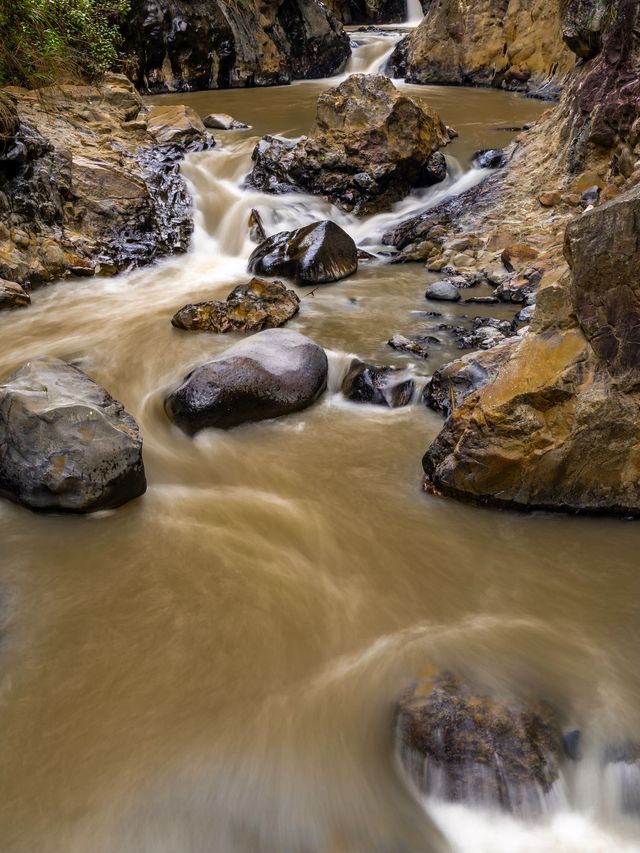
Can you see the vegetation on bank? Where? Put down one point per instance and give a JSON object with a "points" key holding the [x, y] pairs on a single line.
{"points": [[42, 41]]}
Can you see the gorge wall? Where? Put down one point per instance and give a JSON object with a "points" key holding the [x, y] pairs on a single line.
{"points": [[176, 45]]}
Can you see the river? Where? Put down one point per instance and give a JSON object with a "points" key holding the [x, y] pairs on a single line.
{"points": [[212, 668]]}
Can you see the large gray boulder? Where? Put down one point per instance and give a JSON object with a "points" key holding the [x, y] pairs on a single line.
{"points": [[65, 443], [273, 373]]}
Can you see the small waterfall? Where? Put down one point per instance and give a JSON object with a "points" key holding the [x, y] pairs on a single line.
{"points": [[414, 12], [372, 51]]}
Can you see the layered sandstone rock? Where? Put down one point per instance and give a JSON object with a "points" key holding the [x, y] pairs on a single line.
{"points": [[369, 146], [512, 44], [218, 44], [88, 183]]}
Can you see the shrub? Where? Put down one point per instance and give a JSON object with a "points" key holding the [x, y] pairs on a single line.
{"points": [[46, 40]]}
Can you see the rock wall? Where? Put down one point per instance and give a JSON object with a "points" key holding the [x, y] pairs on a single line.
{"points": [[558, 426], [178, 45], [511, 44], [90, 182], [369, 11]]}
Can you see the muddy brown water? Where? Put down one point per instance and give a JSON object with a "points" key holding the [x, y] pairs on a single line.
{"points": [[212, 668]]}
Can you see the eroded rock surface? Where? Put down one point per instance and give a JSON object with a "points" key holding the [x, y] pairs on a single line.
{"points": [[369, 146], [465, 745], [250, 307], [179, 45], [65, 444], [273, 373], [316, 254]]}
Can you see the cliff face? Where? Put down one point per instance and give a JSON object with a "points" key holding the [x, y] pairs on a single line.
{"points": [[369, 11], [178, 45], [557, 427], [511, 44]]}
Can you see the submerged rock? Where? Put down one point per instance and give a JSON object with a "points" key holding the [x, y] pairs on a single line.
{"points": [[369, 146], [316, 254], [250, 307], [385, 386], [273, 373], [65, 444], [464, 745], [12, 295]]}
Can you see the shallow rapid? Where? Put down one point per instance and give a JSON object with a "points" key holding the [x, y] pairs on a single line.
{"points": [[213, 667]]}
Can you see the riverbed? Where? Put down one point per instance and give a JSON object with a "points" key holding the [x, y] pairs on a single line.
{"points": [[213, 667]]}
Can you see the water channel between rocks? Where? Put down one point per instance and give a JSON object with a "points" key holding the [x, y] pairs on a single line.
{"points": [[213, 667]]}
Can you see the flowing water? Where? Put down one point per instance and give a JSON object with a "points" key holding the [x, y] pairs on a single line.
{"points": [[212, 668]]}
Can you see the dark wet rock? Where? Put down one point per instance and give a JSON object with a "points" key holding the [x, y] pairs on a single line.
{"points": [[222, 121], [465, 745], [94, 190], [369, 147], [572, 744], [12, 295], [481, 300], [443, 290], [454, 382], [369, 12], [256, 227], [384, 386], [414, 346], [65, 444], [485, 333], [435, 169], [590, 197], [489, 158], [184, 45], [316, 254], [250, 307], [273, 373]]}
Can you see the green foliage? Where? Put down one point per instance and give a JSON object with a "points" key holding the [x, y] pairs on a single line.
{"points": [[42, 41]]}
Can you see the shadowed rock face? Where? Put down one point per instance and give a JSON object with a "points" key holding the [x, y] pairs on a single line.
{"points": [[273, 373], [369, 11], [464, 745], [65, 444], [559, 427], [249, 307], [382, 386], [316, 254], [369, 146], [182, 45]]}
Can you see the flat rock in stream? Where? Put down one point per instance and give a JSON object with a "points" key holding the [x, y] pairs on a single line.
{"points": [[65, 443], [250, 307], [273, 373], [223, 121], [384, 386], [466, 745], [316, 254]]}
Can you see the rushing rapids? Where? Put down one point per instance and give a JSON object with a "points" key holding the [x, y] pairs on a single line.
{"points": [[214, 666]]}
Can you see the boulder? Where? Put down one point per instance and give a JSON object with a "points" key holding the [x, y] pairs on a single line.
{"points": [[222, 121], [369, 146], [65, 444], [178, 126], [443, 290], [270, 374], [316, 254], [12, 295], [465, 745], [250, 307], [452, 383], [384, 386]]}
